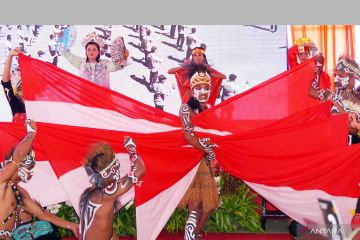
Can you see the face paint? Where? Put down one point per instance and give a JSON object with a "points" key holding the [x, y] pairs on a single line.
{"points": [[344, 81], [111, 172], [202, 93], [357, 85]]}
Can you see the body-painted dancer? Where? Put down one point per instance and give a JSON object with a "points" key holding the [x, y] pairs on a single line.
{"points": [[16, 205], [97, 203], [346, 99], [202, 196]]}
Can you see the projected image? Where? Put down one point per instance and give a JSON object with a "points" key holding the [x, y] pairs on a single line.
{"points": [[137, 57]]}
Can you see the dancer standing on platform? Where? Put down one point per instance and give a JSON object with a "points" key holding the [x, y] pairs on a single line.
{"points": [[202, 196], [187, 70]]}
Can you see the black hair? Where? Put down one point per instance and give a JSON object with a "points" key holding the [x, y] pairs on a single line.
{"points": [[194, 104], [193, 68], [98, 48]]}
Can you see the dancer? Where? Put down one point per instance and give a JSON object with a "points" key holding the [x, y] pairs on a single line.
{"points": [[187, 70], [97, 203], [16, 204], [14, 98], [202, 196], [302, 50]]}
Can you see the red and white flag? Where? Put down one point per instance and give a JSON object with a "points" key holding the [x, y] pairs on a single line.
{"points": [[274, 137]]}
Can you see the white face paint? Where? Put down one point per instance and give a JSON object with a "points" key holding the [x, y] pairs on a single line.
{"points": [[202, 92], [357, 85], [112, 172], [344, 81]]}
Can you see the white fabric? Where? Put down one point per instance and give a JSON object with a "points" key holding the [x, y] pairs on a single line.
{"points": [[47, 192], [306, 202], [78, 115], [153, 215]]}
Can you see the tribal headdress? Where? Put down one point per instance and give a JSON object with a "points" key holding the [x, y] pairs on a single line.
{"points": [[200, 78], [344, 65], [110, 171]]}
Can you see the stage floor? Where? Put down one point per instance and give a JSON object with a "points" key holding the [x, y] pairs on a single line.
{"points": [[217, 236], [230, 236]]}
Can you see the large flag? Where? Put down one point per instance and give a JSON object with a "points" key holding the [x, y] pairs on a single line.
{"points": [[274, 99], [274, 137]]}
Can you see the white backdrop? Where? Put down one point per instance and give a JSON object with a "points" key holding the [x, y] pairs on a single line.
{"points": [[253, 53]]}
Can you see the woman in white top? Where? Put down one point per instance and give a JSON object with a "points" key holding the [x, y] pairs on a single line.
{"points": [[93, 68]]}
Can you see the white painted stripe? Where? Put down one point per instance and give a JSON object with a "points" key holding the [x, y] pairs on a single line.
{"points": [[76, 181], [82, 116], [152, 216], [77, 115], [303, 206]]}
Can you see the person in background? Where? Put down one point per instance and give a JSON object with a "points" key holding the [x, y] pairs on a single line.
{"points": [[14, 95], [190, 66], [229, 88], [159, 92]]}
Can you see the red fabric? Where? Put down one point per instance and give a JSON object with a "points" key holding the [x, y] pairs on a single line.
{"points": [[294, 143], [13, 133], [295, 155], [160, 152], [19, 118], [325, 81], [277, 98], [183, 83], [292, 56], [56, 85]]}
